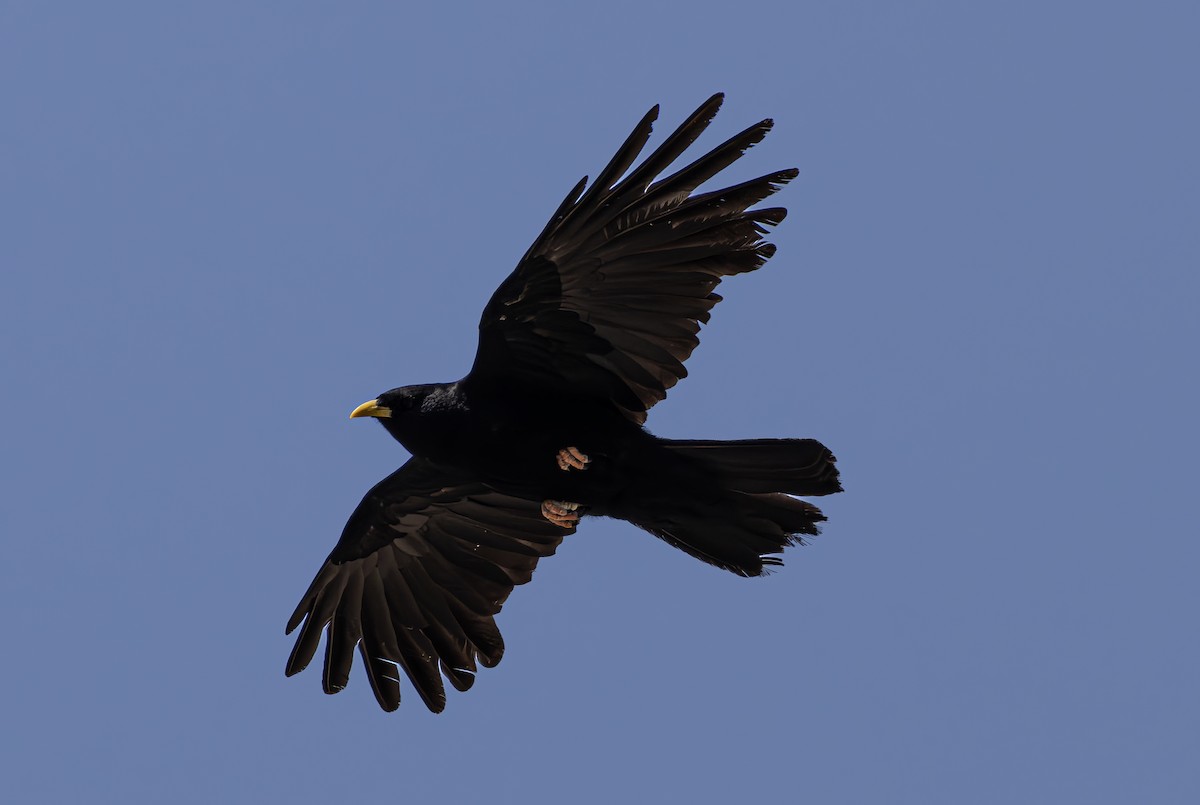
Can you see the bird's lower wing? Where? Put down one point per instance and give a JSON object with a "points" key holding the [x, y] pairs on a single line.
{"points": [[423, 566]]}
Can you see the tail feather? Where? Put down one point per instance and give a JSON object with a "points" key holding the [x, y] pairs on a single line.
{"points": [[711, 546], [786, 514], [794, 466]]}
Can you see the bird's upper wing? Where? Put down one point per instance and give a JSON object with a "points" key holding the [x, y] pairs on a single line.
{"points": [[424, 564], [609, 299]]}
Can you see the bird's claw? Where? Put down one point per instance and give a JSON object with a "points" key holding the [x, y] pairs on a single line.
{"points": [[572, 458], [561, 512]]}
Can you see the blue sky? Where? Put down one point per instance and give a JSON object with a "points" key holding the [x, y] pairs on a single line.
{"points": [[225, 225]]}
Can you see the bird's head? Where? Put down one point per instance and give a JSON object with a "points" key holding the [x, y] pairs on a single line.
{"points": [[394, 404], [400, 409]]}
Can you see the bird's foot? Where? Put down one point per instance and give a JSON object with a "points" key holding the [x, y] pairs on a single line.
{"points": [[571, 458], [561, 513]]}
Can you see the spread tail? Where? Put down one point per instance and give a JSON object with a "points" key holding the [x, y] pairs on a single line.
{"points": [[733, 504]]}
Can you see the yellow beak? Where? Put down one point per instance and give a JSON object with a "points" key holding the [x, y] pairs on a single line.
{"points": [[371, 408]]}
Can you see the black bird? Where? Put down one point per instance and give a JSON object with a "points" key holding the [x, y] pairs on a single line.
{"points": [[589, 332]]}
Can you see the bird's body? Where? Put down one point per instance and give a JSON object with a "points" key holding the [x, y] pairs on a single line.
{"points": [[576, 345], [508, 437]]}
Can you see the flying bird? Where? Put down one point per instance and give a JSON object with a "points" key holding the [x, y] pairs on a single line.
{"points": [[589, 331]]}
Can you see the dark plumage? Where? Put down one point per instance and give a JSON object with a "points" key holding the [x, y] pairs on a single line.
{"points": [[590, 331]]}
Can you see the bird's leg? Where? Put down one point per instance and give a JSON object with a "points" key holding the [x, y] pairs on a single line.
{"points": [[561, 513], [572, 458]]}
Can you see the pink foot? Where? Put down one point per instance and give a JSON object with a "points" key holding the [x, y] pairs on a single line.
{"points": [[570, 458], [561, 513]]}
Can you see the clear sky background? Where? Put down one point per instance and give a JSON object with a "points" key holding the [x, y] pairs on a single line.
{"points": [[224, 225]]}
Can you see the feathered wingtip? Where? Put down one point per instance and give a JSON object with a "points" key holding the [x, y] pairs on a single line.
{"points": [[577, 207]]}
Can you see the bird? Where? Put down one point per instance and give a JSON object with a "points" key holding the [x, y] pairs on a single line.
{"points": [[589, 331]]}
